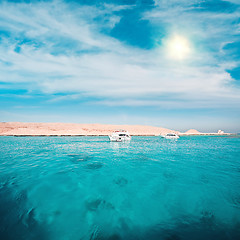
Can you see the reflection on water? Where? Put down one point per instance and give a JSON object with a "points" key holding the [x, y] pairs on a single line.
{"points": [[119, 145], [90, 188]]}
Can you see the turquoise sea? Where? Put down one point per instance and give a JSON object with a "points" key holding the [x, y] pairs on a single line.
{"points": [[81, 188]]}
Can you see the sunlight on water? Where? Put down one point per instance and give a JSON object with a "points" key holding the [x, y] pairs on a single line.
{"points": [[90, 188]]}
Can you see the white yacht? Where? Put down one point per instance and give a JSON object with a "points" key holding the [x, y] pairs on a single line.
{"points": [[120, 136], [171, 136]]}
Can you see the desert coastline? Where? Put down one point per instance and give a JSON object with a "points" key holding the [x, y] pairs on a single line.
{"points": [[74, 129]]}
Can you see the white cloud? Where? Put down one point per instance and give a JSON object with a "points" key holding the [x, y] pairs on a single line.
{"points": [[95, 64]]}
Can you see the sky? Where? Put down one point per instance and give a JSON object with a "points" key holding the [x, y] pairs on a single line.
{"points": [[165, 63]]}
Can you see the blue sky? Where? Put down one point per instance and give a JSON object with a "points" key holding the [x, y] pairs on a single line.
{"points": [[168, 63]]}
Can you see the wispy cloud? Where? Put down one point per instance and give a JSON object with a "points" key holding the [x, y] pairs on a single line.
{"points": [[56, 47]]}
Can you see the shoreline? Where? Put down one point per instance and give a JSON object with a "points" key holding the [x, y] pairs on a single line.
{"points": [[185, 135], [21, 129], [207, 134]]}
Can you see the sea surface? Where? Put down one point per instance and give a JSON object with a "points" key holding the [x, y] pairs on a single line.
{"points": [[81, 188]]}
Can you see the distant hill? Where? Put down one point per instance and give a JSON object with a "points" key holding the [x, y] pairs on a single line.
{"points": [[71, 129], [192, 131]]}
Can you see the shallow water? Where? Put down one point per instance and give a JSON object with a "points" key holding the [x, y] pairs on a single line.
{"points": [[89, 188]]}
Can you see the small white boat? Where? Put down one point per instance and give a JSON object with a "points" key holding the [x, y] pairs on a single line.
{"points": [[120, 136], [171, 136]]}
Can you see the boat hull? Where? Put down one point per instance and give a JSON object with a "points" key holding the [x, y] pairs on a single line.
{"points": [[176, 137], [119, 139]]}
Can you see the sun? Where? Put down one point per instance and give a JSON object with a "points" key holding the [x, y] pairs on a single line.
{"points": [[179, 47]]}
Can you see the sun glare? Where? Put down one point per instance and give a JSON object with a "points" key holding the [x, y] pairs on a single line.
{"points": [[179, 47]]}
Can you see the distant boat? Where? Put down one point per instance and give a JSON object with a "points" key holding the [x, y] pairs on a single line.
{"points": [[120, 136], [171, 136]]}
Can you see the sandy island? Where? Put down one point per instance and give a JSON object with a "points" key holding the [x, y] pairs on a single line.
{"points": [[71, 129]]}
